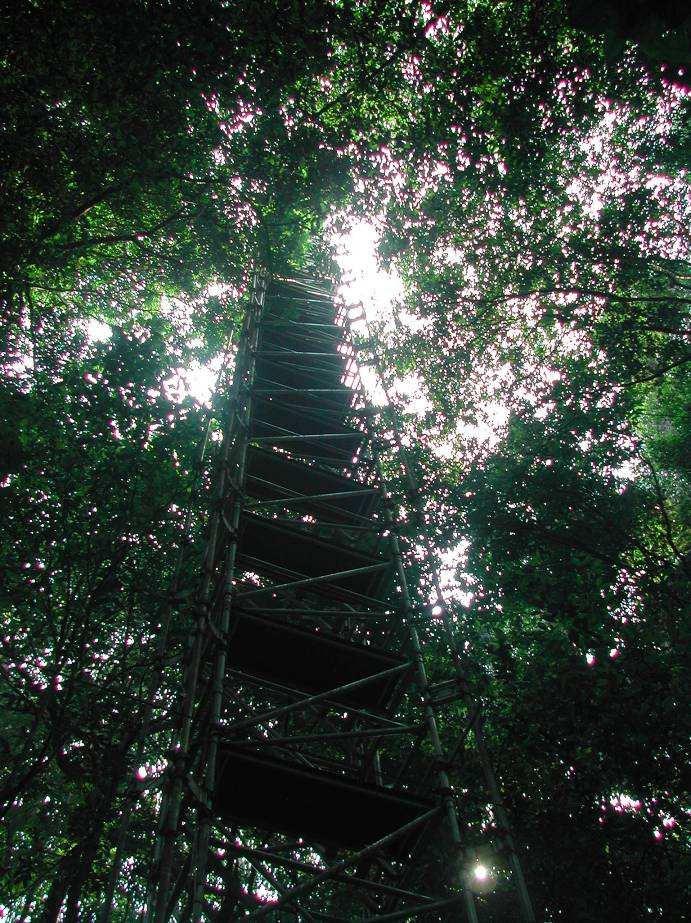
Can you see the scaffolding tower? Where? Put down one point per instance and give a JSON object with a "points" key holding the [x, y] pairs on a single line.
{"points": [[308, 757]]}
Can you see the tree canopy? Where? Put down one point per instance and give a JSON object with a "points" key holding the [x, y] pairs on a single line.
{"points": [[525, 165]]}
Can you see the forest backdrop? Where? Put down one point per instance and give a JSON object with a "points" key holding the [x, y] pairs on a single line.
{"points": [[525, 166]]}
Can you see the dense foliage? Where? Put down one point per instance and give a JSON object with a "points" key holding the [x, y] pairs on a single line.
{"points": [[525, 166]]}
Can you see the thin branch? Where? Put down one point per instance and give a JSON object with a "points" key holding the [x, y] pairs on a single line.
{"points": [[662, 506]]}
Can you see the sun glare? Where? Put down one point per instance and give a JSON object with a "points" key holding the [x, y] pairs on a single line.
{"points": [[481, 872], [200, 380], [363, 280], [97, 331]]}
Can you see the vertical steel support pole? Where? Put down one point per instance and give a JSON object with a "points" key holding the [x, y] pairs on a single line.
{"points": [[223, 623], [161, 879], [527, 910], [430, 718], [526, 905], [161, 647], [414, 639]]}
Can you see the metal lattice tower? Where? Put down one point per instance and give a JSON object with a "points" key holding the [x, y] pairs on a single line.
{"points": [[309, 757]]}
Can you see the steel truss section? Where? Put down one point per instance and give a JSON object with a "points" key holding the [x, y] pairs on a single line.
{"points": [[308, 779]]}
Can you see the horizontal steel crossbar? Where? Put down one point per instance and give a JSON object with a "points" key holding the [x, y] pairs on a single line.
{"points": [[339, 735], [312, 581], [306, 867], [292, 693], [303, 353], [346, 863], [298, 498], [298, 391], [319, 697], [324, 613], [303, 437], [409, 912], [277, 322], [321, 407]]}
